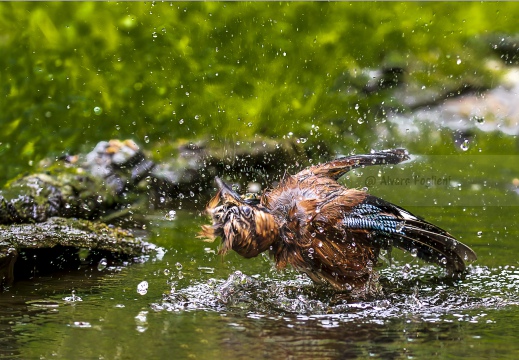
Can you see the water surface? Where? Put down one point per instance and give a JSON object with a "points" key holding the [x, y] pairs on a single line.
{"points": [[198, 304]]}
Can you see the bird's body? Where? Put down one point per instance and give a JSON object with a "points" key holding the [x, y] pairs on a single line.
{"points": [[331, 233]]}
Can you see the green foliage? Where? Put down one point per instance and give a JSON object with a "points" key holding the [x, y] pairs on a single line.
{"points": [[226, 71]]}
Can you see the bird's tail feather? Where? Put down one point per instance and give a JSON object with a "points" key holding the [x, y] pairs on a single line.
{"points": [[432, 244], [410, 233]]}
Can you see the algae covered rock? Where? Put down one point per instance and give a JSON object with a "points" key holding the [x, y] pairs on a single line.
{"points": [[59, 243], [73, 186], [55, 218]]}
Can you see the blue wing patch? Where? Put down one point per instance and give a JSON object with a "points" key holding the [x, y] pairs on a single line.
{"points": [[369, 217]]}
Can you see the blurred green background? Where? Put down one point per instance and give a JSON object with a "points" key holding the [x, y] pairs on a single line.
{"points": [[73, 74]]}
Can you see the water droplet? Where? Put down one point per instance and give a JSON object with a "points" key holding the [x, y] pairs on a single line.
{"points": [[98, 110], [443, 261], [73, 297], [301, 140], [100, 199], [102, 264], [146, 139], [465, 145], [178, 266], [480, 233], [479, 119], [82, 324], [142, 321], [206, 269], [399, 226], [414, 252], [166, 272], [360, 120], [171, 215], [458, 61], [142, 288]]}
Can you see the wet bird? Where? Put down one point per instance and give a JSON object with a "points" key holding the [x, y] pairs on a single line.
{"points": [[331, 233]]}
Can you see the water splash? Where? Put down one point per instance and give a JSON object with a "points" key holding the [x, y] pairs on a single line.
{"points": [[73, 298], [103, 263], [142, 288], [420, 291]]}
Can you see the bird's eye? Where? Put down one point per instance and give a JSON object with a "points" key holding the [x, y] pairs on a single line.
{"points": [[218, 212], [247, 211]]}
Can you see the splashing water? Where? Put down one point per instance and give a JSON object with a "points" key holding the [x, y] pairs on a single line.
{"points": [[417, 290], [142, 288]]}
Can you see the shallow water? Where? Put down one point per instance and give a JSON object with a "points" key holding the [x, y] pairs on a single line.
{"points": [[199, 305]]}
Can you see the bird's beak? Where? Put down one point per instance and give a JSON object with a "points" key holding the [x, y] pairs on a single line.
{"points": [[227, 194]]}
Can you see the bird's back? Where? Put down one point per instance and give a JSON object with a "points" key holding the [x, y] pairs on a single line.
{"points": [[313, 238]]}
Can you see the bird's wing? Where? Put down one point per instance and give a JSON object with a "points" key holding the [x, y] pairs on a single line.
{"points": [[343, 237], [336, 168], [408, 232]]}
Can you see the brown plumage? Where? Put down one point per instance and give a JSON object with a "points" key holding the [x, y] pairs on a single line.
{"points": [[331, 233]]}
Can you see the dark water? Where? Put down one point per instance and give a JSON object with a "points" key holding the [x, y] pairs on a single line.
{"points": [[200, 305]]}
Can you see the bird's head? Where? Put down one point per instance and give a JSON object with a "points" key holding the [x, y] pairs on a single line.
{"points": [[243, 225]]}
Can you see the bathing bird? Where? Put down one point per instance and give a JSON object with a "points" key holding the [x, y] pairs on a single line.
{"points": [[331, 233]]}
